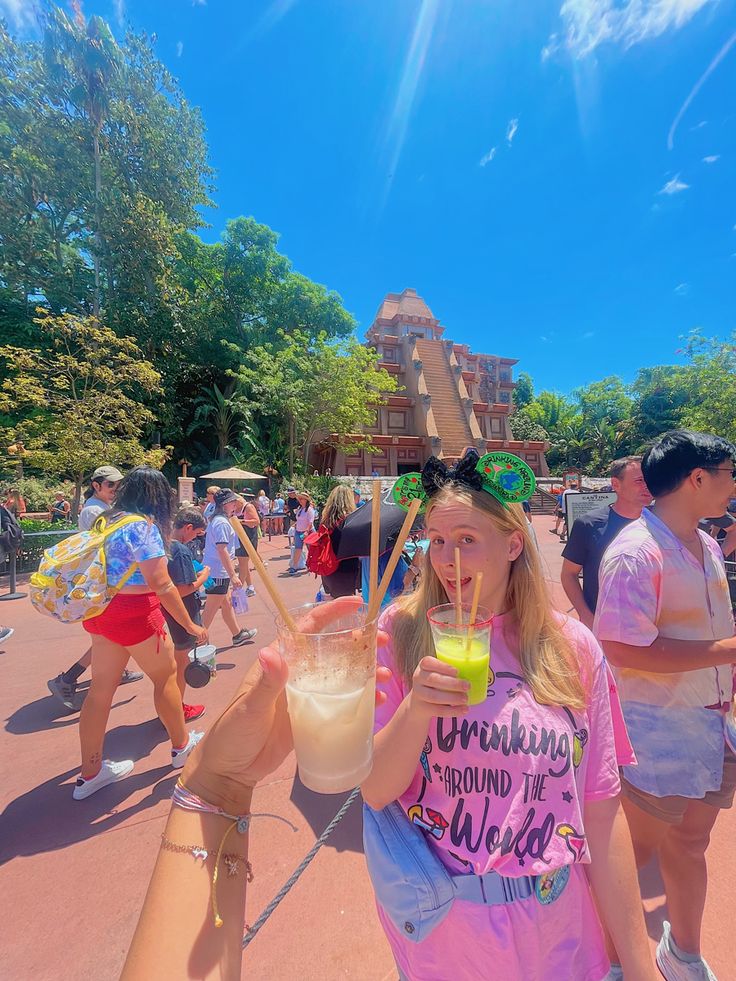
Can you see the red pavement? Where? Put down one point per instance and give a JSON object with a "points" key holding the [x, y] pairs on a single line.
{"points": [[74, 873]]}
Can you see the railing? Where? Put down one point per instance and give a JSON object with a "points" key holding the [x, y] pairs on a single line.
{"points": [[34, 545]]}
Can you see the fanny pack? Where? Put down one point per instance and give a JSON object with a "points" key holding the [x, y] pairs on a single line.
{"points": [[415, 889]]}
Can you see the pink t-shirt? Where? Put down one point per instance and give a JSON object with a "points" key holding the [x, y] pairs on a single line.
{"points": [[503, 788]]}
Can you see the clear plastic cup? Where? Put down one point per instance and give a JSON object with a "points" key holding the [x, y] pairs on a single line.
{"points": [[452, 644], [331, 693]]}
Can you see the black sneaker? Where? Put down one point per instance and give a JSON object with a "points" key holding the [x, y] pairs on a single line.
{"points": [[244, 636], [65, 692]]}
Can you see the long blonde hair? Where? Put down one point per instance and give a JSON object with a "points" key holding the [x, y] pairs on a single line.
{"points": [[339, 504], [548, 663]]}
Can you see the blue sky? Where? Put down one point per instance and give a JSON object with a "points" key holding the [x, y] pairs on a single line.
{"points": [[555, 178]]}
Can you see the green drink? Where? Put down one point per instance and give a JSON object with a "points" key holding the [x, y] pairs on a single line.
{"points": [[468, 652]]}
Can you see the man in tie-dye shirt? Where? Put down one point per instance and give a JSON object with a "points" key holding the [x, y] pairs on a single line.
{"points": [[665, 623]]}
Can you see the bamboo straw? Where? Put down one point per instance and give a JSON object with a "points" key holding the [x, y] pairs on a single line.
{"points": [[375, 604], [473, 610], [261, 570], [458, 591], [375, 532]]}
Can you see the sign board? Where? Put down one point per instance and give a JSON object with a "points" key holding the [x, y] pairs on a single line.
{"points": [[577, 505]]}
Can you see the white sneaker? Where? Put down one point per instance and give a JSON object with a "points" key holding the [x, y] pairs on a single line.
{"points": [[110, 771], [179, 756], [675, 969], [250, 591]]}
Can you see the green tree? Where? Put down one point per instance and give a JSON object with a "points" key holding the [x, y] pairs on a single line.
{"points": [[711, 377], [79, 398], [551, 411], [524, 391], [606, 399], [522, 427], [316, 389], [572, 444], [661, 395], [224, 416]]}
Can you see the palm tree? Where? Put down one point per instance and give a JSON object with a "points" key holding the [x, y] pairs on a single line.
{"points": [[551, 411], [88, 55], [573, 443], [224, 415]]}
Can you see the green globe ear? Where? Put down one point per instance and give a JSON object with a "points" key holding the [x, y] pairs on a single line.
{"points": [[507, 477], [409, 488]]}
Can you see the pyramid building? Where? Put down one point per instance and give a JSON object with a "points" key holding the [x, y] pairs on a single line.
{"points": [[449, 399]]}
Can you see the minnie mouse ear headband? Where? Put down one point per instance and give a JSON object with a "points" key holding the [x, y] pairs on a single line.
{"points": [[503, 475]]}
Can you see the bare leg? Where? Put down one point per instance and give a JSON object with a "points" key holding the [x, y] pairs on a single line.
{"points": [[685, 875], [211, 605], [647, 833], [244, 570], [182, 659], [228, 615], [155, 657], [108, 661], [86, 659]]}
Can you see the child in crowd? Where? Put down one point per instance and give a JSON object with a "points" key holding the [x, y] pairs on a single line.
{"points": [[220, 545], [189, 523]]}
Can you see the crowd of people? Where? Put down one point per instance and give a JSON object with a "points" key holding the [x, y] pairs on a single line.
{"points": [[607, 736]]}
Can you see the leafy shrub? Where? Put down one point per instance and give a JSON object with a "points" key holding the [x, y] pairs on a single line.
{"points": [[38, 492]]}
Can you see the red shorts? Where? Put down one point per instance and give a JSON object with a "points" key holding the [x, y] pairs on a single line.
{"points": [[130, 619]]}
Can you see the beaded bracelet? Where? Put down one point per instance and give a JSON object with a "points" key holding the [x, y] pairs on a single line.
{"points": [[184, 798]]}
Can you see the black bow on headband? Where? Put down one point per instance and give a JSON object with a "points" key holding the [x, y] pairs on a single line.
{"points": [[436, 473]]}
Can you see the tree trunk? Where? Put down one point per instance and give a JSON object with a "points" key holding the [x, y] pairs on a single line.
{"points": [[291, 446], [97, 248], [77, 497]]}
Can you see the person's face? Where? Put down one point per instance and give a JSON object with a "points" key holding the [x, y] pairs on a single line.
{"points": [[106, 490], [715, 488], [303, 501], [631, 488], [483, 548], [188, 533], [231, 508]]}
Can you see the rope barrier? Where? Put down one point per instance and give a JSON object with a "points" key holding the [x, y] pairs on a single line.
{"points": [[291, 881]]}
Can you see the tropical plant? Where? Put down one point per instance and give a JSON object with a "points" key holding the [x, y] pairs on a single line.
{"points": [[224, 415]]}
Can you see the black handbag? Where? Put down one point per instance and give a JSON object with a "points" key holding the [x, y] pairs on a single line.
{"points": [[197, 674]]}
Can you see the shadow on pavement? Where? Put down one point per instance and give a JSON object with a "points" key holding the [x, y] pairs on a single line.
{"points": [[46, 713], [48, 818], [319, 809]]}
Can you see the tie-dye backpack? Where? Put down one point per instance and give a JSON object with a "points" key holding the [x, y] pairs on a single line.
{"points": [[71, 582]]}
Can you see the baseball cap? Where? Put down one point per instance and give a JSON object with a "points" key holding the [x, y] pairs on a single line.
{"points": [[107, 473], [224, 496]]}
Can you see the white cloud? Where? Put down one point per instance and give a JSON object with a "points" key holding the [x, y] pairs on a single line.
{"points": [[712, 159], [275, 12], [119, 7], [674, 186], [588, 23], [587, 335], [511, 130], [697, 87], [682, 289], [179, 48], [545, 340], [486, 159], [199, 3], [20, 14], [700, 125]]}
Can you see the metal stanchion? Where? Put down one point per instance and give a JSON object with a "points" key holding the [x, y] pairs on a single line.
{"points": [[13, 594]]}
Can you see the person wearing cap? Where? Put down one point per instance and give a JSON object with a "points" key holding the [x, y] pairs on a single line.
{"points": [[99, 498], [220, 546], [99, 495], [292, 506]]}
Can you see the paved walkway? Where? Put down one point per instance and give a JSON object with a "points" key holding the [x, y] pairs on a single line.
{"points": [[74, 873]]}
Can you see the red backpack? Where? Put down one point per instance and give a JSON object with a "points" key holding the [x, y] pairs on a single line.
{"points": [[321, 559]]}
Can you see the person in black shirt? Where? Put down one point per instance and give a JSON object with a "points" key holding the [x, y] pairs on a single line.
{"points": [[189, 523], [593, 533]]}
